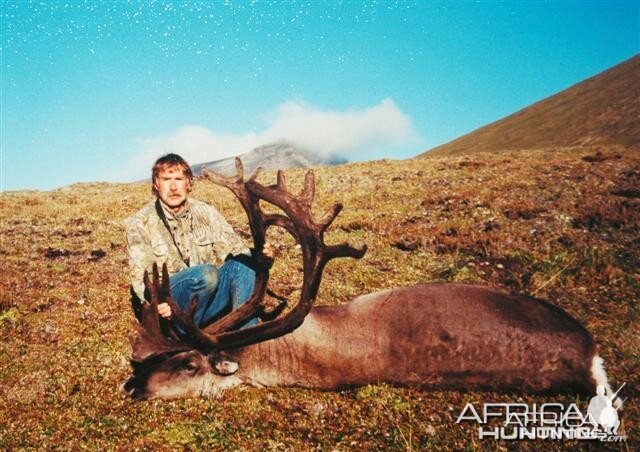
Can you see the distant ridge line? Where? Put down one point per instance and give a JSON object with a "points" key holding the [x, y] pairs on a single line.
{"points": [[274, 156]]}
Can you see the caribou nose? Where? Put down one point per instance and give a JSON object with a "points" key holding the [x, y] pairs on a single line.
{"points": [[130, 389]]}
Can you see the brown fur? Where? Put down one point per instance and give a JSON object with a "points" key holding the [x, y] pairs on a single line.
{"points": [[430, 336]]}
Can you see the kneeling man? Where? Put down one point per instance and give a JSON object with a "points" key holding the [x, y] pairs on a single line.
{"points": [[196, 242]]}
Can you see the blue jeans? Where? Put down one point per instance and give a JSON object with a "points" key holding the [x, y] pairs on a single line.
{"points": [[218, 290]]}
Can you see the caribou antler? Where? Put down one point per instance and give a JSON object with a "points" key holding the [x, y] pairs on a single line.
{"points": [[151, 340], [258, 222], [299, 222]]}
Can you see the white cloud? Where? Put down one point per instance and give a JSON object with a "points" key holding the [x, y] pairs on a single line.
{"points": [[334, 132], [325, 132]]}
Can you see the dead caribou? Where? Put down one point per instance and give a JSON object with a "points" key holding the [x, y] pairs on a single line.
{"points": [[437, 335]]}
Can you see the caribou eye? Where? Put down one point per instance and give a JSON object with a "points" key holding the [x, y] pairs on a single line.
{"points": [[190, 366]]}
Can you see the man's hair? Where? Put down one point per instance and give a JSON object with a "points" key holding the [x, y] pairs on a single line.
{"points": [[166, 162]]}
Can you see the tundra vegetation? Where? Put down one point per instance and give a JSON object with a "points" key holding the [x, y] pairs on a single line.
{"points": [[559, 224]]}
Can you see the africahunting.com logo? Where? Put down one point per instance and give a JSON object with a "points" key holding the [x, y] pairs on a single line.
{"points": [[548, 421]]}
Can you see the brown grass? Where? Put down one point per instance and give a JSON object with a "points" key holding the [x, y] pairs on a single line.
{"points": [[548, 223]]}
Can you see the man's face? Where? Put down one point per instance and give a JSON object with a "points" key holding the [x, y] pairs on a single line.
{"points": [[172, 186]]}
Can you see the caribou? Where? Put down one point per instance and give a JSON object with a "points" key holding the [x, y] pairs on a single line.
{"points": [[433, 336]]}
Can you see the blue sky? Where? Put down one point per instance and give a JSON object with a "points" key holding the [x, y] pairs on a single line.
{"points": [[95, 91]]}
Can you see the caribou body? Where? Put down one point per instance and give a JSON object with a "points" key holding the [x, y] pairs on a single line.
{"points": [[438, 335]]}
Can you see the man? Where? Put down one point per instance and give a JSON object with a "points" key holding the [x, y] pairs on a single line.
{"points": [[193, 239]]}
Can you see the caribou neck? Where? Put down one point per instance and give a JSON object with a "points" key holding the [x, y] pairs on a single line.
{"points": [[319, 353]]}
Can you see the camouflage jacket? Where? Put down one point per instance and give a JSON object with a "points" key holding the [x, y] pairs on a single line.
{"points": [[204, 237]]}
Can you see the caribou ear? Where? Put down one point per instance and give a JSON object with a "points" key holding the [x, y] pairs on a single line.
{"points": [[224, 364]]}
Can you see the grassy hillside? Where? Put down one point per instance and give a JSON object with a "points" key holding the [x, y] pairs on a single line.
{"points": [[562, 224], [602, 110]]}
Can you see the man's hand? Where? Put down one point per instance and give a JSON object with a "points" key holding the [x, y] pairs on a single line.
{"points": [[164, 310]]}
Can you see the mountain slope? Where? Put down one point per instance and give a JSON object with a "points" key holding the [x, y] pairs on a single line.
{"points": [[602, 110]]}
